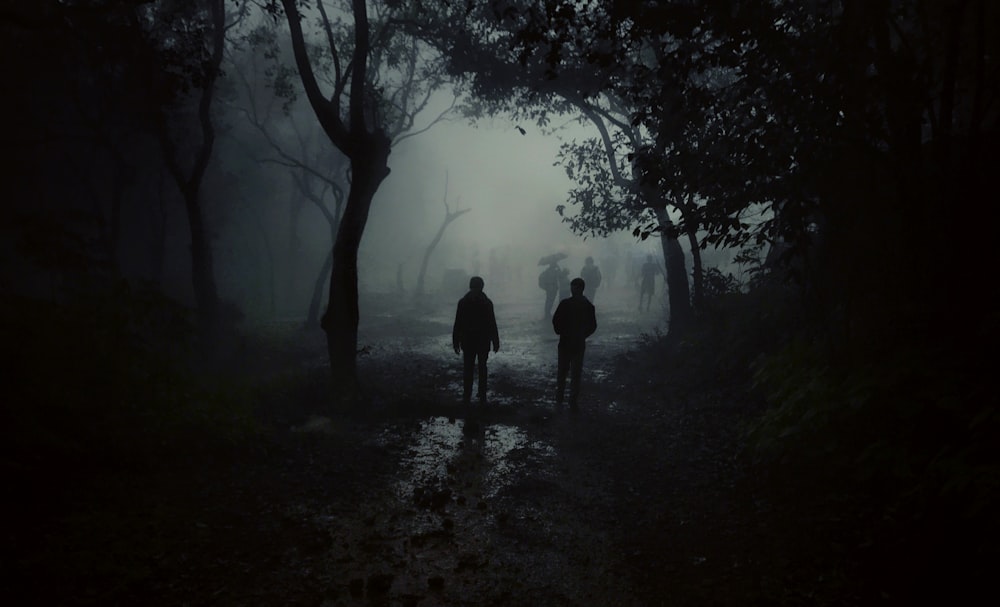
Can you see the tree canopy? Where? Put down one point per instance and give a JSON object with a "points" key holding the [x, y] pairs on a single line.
{"points": [[846, 130]]}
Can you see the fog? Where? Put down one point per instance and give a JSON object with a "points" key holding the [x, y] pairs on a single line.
{"points": [[511, 186], [506, 179], [264, 185]]}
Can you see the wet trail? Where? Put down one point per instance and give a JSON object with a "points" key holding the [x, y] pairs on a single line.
{"points": [[510, 503], [413, 499], [523, 372]]}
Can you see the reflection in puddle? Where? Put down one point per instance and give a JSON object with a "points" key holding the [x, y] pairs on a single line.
{"points": [[504, 451], [436, 442], [507, 449]]}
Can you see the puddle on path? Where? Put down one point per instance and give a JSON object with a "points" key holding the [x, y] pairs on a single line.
{"points": [[509, 449], [441, 448]]}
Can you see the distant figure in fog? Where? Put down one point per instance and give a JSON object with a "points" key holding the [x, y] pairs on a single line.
{"points": [[591, 275], [474, 331], [574, 321], [649, 271], [611, 268], [548, 280], [564, 290]]}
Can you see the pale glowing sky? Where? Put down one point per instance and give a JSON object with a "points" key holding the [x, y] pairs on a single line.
{"points": [[507, 180]]}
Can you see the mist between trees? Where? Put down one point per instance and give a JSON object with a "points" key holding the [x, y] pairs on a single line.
{"points": [[242, 157], [812, 179]]}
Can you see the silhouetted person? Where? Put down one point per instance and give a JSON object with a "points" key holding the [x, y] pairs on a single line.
{"points": [[574, 321], [649, 271], [474, 331], [549, 281], [591, 275]]}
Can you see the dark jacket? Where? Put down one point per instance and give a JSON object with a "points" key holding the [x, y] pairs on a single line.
{"points": [[574, 321], [475, 324], [549, 278]]}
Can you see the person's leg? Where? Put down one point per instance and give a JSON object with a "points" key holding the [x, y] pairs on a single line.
{"points": [[575, 373], [468, 359], [483, 357], [550, 298], [562, 369]]}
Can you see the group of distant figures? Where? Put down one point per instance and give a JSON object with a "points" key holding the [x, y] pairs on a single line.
{"points": [[555, 282], [475, 331]]}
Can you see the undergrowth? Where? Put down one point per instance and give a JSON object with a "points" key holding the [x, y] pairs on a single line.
{"points": [[111, 381], [114, 405], [892, 441]]}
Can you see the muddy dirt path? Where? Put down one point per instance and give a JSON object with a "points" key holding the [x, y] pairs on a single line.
{"points": [[513, 503], [414, 500]]}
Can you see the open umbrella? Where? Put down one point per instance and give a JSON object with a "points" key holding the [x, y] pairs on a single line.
{"points": [[551, 259]]}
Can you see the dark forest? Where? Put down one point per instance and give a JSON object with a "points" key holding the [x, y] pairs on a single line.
{"points": [[256, 255]]}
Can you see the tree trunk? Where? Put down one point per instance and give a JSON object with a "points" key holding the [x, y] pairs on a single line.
{"points": [[272, 283], [369, 167], [117, 196], [294, 243], [312, 318], [418, 290], [448, 218], [202, 270], [697, 274], [678, 293], [158, 244], [333, 219]]}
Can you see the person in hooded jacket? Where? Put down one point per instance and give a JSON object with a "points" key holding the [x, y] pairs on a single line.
{"points": [[574, 321], [475, 330]]}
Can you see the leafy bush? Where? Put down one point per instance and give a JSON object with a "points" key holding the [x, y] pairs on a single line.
{"points": [[902, 437]]}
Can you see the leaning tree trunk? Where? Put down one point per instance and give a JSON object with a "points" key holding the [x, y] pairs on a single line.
{"points": [[312, 319], [202, 271], [158, 241], [369, 166], [678, 294], [294, 242], [449, 216], [333, 219], [202, 268], [272, 286], [697, 273]]}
